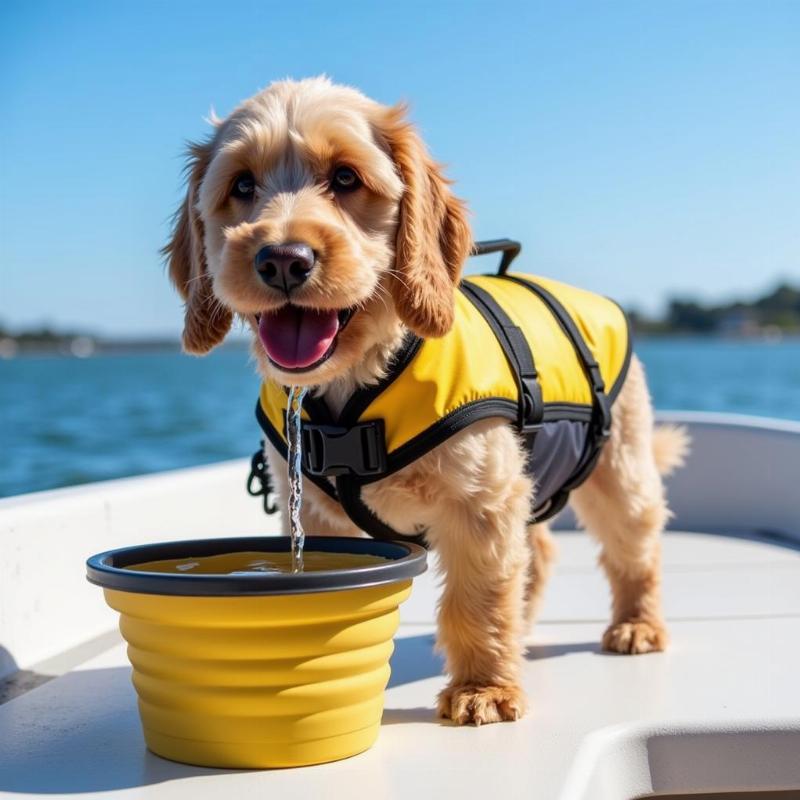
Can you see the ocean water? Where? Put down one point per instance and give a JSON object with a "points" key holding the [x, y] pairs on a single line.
{"points": [[69, 421]]}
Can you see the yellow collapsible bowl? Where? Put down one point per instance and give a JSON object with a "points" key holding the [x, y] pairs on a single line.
{"points": [[254, 670]]}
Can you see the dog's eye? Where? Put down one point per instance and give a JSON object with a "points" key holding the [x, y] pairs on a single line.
{"points": [[345, 180], [244, 186]]}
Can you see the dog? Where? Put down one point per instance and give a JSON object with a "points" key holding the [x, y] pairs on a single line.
{"points": [[369, 240]]}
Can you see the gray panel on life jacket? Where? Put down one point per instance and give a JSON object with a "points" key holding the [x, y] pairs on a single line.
{"points": [[558, 451]]}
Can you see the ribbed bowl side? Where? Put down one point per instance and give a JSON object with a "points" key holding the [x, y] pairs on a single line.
{"points": [[263, 681]]}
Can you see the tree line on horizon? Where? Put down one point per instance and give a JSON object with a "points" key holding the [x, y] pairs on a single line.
{"points": [[777, 311]]}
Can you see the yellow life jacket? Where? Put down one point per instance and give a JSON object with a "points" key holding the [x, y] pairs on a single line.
{"points": [[548, 357]]}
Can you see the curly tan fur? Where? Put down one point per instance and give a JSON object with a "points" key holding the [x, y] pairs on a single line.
{"points": [[624, 506], [207, 321], [543, 555], [433, 237], [394, 250]]}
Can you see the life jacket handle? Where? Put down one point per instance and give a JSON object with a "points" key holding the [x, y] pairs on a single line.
{"points": [[508, 247]]}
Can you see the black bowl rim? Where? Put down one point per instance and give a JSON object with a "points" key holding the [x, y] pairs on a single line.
{"points": [[407, 560]]}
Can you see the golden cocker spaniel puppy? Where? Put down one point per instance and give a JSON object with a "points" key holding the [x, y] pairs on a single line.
{"points": [[365, 241]]}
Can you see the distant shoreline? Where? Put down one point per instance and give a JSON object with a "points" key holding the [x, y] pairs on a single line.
{"points": [[81, 350], [88, 347], [773, 317]]}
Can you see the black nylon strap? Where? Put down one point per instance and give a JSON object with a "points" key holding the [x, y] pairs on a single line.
{"points": [[588, 362], [602, 403], [359, 401], [348, 490], [517, 352]]}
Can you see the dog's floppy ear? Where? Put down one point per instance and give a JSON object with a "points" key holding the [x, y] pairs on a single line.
{"points": [[433, 235], [206, 321]]}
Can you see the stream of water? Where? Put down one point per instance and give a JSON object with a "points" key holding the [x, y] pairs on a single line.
{"points": [[294, 461]]}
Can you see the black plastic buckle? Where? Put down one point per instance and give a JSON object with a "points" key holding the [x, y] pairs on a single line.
{"points": [[603, 423], [532, 410], [596, 377], [602, 403], [329, 450]]}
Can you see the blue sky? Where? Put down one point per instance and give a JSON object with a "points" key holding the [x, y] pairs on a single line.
{"points": [[639, 148]]}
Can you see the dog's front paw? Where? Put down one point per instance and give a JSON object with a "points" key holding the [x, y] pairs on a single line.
{"points": [[635, 636], [478, 705]]}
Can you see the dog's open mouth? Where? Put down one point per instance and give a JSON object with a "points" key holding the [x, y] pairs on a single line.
{"points": [[297, 339]]}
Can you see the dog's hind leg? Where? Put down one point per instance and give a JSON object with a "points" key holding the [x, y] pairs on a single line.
{"points": [[543, 553], [624, 506]]}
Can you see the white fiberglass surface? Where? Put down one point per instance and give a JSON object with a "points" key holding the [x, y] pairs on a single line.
{"points": [[733, 608]]}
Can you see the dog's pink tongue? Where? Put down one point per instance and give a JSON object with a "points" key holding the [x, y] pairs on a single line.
{"points": [[295, 337]]}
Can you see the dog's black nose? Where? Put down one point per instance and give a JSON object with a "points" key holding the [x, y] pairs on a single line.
{"points": [[284, 266]]}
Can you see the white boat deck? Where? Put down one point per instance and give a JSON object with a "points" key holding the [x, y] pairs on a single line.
{"points": [[719, 710]]}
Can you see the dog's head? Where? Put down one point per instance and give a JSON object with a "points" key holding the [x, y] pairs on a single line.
{"points": [[318, 216]]}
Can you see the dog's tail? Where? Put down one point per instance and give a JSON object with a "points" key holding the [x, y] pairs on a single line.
{"points": [[671, 444]]}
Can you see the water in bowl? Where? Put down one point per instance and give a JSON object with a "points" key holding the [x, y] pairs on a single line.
{"points": [[254, 563]]}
